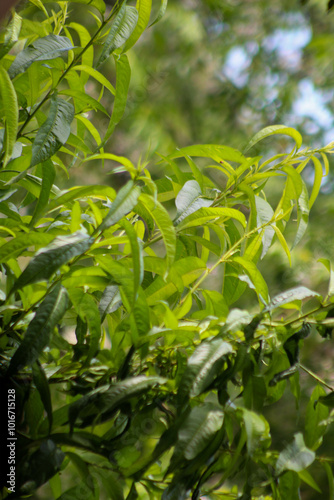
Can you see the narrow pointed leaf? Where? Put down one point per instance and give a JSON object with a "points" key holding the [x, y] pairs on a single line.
{"points": [[16, 246], [161, 13], [11, 114], [121, 29], [123, 74], [273, 130], [256, 278], [136, 254], [12, 34], [48, 177], [42, 385], [144, 11], [39, 331], [106, 399], [161, 217], [49, 259], [124, 203], [202, 367], [42, 49], [54, 132], [298, 293], [213, 151], [197, 431], [208, 214]]}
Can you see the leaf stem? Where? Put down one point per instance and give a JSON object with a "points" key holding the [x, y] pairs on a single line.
{"points": [[316, 377], [73, 63]]}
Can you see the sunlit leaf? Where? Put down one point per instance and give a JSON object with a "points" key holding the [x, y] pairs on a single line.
{"points": [[273, 130], [121, 29], [11, 114], [296, 456]]}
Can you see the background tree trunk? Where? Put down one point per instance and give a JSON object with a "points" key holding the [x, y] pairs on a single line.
{"points": [[5, 5]]}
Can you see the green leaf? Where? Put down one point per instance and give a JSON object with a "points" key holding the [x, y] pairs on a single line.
{"points": [[330, 477], [188, 201], [288, 486], [54, 132], [161, 13], [98, 4], [315, 414], [317, 180], [11, 35], [136, 254], [213, 151], [11, 114], [110, 301], [197, 431], [83, 101], [100, 403], [42, 49], [121, 29], [295, 456], [96, 75], [208, 214], [283, 242], [86, 307], [49, 259], [327, 400], [42, 385], [144, 11], [16, 246], [264, 216], [161, 217], [123, 74], [39, 331], [48, 178], [298, 293], [202, 368], [257, 430], [124, 203], [81, 192], [305, 476], [327, 263], [275, 129], [255, 276]]}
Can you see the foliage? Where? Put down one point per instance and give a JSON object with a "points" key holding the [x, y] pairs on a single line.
{"points": [[162, 392]]}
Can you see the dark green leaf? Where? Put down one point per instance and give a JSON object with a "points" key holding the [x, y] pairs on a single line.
{"points": [[315, 414], [49, 259], [100, 403], [48, 177], [54, 132], [42, 385], [39, 331], [12, 34], [16, 246], [202, 367], [49, 47]]}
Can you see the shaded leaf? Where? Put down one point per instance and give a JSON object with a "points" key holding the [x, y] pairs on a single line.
{"points": [[100, 403], [298, 293], [257, 430], [39, 331], [202, 367], [42, 385]]}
